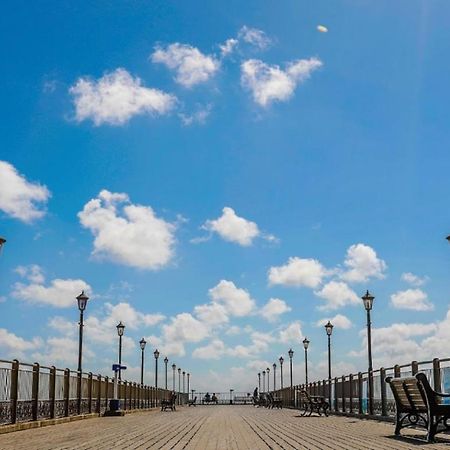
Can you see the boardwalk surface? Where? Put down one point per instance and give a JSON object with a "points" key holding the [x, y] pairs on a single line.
{"points": [[218, 427]]}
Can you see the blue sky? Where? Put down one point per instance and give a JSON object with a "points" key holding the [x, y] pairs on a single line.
{"points": [[127, 129]]}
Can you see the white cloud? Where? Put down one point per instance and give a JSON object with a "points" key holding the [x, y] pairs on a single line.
{"points": [[414, 280], [116, 97], [130, 316], [228, 47], [271, 83], [414, 299], [292, 334], [298, 272], [337, 294], [212, 313], [190, 64], [236, 301], [254, 37], [233, 330], [338, 321], [198, 116], [59, 293], [127, 233], [233, 228], [214, 350], [15, 346], [20, 198], [273, 309], [363, 264]]}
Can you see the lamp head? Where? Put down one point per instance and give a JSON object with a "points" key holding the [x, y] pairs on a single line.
{"points": [[174, 366], [166, 359], [120, 328], [142, 343], [281, 360], [306, 343], [291, 353], [82, 300], [329, 328], [156, 353], [368, 301], [274, 366]]}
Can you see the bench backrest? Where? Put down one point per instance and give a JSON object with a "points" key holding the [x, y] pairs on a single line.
{"points": [[305, 396], [428, 391], [407, 394]]}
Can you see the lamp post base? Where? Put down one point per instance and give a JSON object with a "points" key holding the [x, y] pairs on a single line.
{"points": [[114, 409]]}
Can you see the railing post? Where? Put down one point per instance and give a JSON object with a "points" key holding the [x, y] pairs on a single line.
{"points": [[350, 382], [99, 394], [414, 367], [90, 383], [383, 391], [52, 392], [106, 392], [397, 372], [336, 408], [437, 375], [14, 389], [66, 392], [35, 392], [79, 380], [360, 388], [343, 393]]}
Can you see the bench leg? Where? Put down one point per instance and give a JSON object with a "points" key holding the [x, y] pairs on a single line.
{"points": [[398, 424], [432, 429]]}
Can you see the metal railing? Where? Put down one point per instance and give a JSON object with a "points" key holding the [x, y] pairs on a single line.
{"points": [[224, 398], [349, 394], [30, 392]]}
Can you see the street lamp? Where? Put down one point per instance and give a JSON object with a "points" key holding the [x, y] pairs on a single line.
{"points": [[281, 359], [305, 346], [329, 331], [264, 380], [156, 354], [82, 300], [142, 344], [274, 379], [174, 366], [179, 385], [368, 304], [166, 360], [259, 381], [291, 354], [268, 380], [184, 379], [448, 238], [120, 329]]}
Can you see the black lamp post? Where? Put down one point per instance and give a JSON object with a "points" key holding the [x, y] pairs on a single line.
{"points": [[156, 354], [368, 303], [120, 329], [142, 344], [166, 360], [179, 384], [188, 385], [259, 381], [329, 331], [184, 381], [82, 300], [274, 378], [264, 380], [174, 366], [291, 354], [305, 346], [281, 359], [268, 380]]}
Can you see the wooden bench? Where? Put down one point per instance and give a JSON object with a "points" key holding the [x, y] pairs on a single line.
{"points": [[169, 403], [274, 402], [417, 404], [312, 403], [192, 402]]}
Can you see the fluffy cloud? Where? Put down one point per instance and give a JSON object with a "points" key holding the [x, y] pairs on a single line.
{"points": [[291, 334], [20, 198], [363, 263], [59, 293], [214, 350], [233, 228], [414, 299], [130, 316], [236, 301], [298, 272], [337, 294], [228, 46], [414, 280], [116, 97], [189, 63], [15, 346], [212, 313], [199, 116], [254, 37], [271, 83], [126, 233], [338, 321], [273, 309]]}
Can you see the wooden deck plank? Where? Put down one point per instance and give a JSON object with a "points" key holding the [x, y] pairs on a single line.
{"points": [[218, 428]]}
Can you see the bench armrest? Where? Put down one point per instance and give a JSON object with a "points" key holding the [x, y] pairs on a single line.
{"points": [[442, 394]]}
